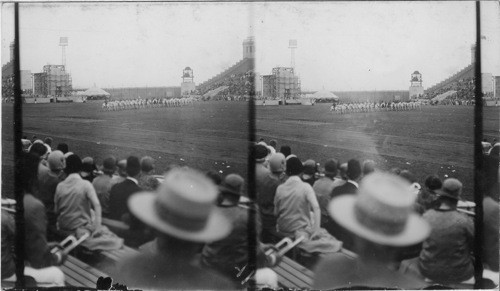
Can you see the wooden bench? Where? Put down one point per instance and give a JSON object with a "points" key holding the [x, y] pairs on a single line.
{"points": [[293, 275], [79, 274]]}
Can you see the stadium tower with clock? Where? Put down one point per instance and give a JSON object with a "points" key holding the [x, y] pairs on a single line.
{"points": [[416, 88]]}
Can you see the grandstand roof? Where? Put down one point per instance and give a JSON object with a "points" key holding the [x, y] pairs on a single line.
{"points": [[94, 91], [324, 94]]}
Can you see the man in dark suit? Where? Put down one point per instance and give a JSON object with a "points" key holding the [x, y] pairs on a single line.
{"points": [[353, 178], [119, 194], [349, 188]]}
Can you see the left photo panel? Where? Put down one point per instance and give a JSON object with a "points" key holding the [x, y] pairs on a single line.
{"points": [[135, 136]]}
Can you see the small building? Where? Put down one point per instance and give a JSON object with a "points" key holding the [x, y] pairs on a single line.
{"points": [[416, 88], [187, 86]]}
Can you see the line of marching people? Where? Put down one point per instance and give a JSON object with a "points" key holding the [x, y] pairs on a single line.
{"points": [[363, 107], [139, 103]]}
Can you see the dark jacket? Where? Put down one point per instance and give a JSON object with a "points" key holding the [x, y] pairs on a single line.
{"points": [[36, 250], [8, 230], [118, 197]]}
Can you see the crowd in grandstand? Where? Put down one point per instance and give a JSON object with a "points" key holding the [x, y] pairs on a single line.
{"points": [[363, 107], [191, 228], [464, 90], [241, 84], [139, 103]]}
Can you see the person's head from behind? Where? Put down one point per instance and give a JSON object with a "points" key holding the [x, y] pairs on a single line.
{"points": [[48, 141], [188, 196], [343, 171], [40, 149], [331, 168], [261, 152], [133, 167], [29, 169], [277, 163], [231, 189], [273, 143], [433, 182], [450, 192], [56, 161], [73, 164], [368, 167], [294, 166], [380, 216], [286, 150], [63, 147], [147, 164], [353, 170], [122, 168], [109, 165]]}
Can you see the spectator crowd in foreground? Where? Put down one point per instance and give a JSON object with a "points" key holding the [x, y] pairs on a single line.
{"points": [[191, 228]]}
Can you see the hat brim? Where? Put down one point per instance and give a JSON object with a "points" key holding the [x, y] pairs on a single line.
{"points": [[445, 194], [224, 189], [342, 210], [142, 205]]}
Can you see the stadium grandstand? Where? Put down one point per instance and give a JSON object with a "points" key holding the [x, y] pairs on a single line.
{"points": [[373, 96], [144, 92], [231, 76]]}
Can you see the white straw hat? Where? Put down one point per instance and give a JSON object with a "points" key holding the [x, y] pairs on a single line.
{"points": [[183, 206], [381, 212]]}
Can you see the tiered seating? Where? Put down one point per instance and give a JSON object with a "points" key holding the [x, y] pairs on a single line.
{"points": [[239, 68]]}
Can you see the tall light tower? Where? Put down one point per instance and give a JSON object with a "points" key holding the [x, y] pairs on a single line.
{"points": [[63, 43], [292, 45]]}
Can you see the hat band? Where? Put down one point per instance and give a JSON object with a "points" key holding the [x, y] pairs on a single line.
{"points": [[179, 220], [378, 224]]}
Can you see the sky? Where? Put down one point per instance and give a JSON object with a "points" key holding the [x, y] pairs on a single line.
{"points": [[341, 45]]}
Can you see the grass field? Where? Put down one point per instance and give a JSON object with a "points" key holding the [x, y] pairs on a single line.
{"points": [[213, 135]]}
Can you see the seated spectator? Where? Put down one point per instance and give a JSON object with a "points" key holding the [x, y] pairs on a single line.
{"points": [[184, 215], [324, 186], [47, 183], [122, 172], [446, 255], [74, 200], [353, 175], [350, 187], [103, 183], [293, 204], [261, 163], [63, 147], [369, 166], [37, 253], [146, 180], [309, 172], [381, 219], [266, 191], [343, 172], [121, 192], [274, 144], [230, 254], [41, 150]]}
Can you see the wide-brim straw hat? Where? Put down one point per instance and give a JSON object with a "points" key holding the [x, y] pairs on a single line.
{"points": [[183, 207], [381, 212]]}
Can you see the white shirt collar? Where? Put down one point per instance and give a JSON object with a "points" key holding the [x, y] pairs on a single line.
{"points": [[133, 180], [353, 182]]}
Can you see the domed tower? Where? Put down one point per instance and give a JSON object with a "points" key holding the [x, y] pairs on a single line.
{"points": [[187, 85], [249, 48], [416, 88]]}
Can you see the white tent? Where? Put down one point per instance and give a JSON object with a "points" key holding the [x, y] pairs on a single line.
{"points": [[323, 94], [95, 92]]}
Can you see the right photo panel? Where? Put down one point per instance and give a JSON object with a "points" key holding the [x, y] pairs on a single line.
{"points": [[365, 138]]}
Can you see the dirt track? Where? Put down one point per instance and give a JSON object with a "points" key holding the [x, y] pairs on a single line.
{"points": [[213, 135]]}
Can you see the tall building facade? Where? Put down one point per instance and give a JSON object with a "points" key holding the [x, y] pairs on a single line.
{"points": [[249, 48], [416, 88], [282, 84]]}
